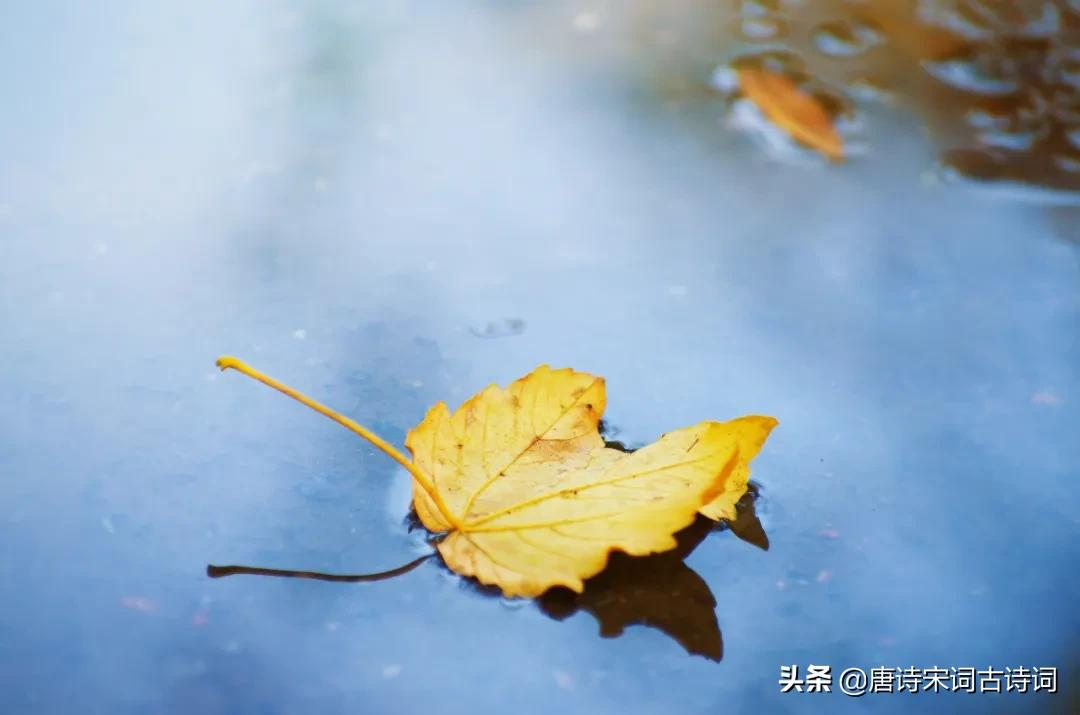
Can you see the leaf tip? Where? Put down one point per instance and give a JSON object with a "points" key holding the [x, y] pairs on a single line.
{"points": [[768, 422], [228, 361]]}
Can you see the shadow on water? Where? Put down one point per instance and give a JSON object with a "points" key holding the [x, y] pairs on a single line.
{"points": [[658, 591], [222, 571]]}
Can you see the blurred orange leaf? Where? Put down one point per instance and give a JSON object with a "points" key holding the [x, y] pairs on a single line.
{"points": [[792, 109]]}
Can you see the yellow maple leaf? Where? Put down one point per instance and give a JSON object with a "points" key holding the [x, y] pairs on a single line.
{"points": [[529, 497], [792, 109]]}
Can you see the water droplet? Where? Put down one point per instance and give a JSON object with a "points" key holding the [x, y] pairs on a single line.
{"points": [[780, 61], [505, 328], [1007, 174], [976, 70], [989, 117], [758, 8], [513, 604], [981, 20], [1072, 134], [1041, 19], [1064, 67], [725, 79], [761, 28], [1017, 140], [966, 20], [846, 38], [1068, 162], [869, 89]]}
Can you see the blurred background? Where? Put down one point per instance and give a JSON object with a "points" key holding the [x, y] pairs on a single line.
{"points": [[860, 217]]}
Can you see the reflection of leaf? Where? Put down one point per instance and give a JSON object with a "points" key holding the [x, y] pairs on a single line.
{"points": [[792, 109], [528, 495], [222, 571], [659, 591], [746, 524]]}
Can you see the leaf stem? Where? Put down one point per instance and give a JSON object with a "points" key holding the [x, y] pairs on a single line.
{"points": [[226, 361]]}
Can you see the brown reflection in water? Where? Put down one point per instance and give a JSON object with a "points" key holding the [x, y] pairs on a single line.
{"points": [[658, 591], [996, 82]]}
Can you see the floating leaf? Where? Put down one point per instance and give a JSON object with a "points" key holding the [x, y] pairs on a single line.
{"points": [[793, 109], [529, 497]]}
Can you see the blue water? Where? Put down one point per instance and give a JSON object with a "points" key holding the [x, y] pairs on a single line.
{"points": [[347, 197]]}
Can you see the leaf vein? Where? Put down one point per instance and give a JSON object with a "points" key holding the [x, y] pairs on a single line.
{"points": [[470, 526], [538, 437]]}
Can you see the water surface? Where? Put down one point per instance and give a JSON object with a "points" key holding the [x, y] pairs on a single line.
{"points": [[387, 207]]}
